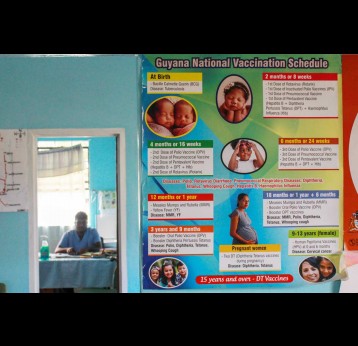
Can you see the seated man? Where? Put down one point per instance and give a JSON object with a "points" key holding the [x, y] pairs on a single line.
{"points": [[80, 240]]}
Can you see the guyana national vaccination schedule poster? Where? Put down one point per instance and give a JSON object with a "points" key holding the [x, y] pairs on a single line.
{"points": [[241, 183]]}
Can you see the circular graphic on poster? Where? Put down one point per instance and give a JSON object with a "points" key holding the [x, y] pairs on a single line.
{"points": [[171, 116], [243, 155], [168, 272], [234, 99], [317, 269]]}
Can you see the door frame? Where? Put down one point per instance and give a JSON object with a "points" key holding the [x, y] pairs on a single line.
{"points": [[33, 135]]}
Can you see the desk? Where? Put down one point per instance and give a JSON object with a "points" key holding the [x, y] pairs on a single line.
{"points": [[76, 272]]}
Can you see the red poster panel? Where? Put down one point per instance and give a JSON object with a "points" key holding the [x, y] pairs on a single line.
{"points": [[350, 147]]}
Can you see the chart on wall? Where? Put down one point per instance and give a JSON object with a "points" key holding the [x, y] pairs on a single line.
{"points": [[241, 171], [13, 170]]}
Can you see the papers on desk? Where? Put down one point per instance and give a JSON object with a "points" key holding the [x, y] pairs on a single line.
{"points": [[92, 255], [64, 255], [84, 255], [110, 251]]}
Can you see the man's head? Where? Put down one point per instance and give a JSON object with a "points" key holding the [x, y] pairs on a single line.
{"points": [[81, 221]]}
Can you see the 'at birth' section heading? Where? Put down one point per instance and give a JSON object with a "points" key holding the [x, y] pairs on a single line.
{"points": [[236, 62]]}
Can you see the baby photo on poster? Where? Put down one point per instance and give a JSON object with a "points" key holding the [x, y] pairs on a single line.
{"points": [[234, 99], [171, 116]]}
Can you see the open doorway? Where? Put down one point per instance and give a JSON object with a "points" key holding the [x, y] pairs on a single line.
{"points": [[63, 187], [89, 178]]}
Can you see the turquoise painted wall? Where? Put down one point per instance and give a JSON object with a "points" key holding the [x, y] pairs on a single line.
{"points": [[102, 163], [14, 252], [69, 92], [102, 159]]}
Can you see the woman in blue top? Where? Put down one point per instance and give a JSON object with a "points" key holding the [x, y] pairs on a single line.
{"points": [[240, 226], [80, 240]]}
